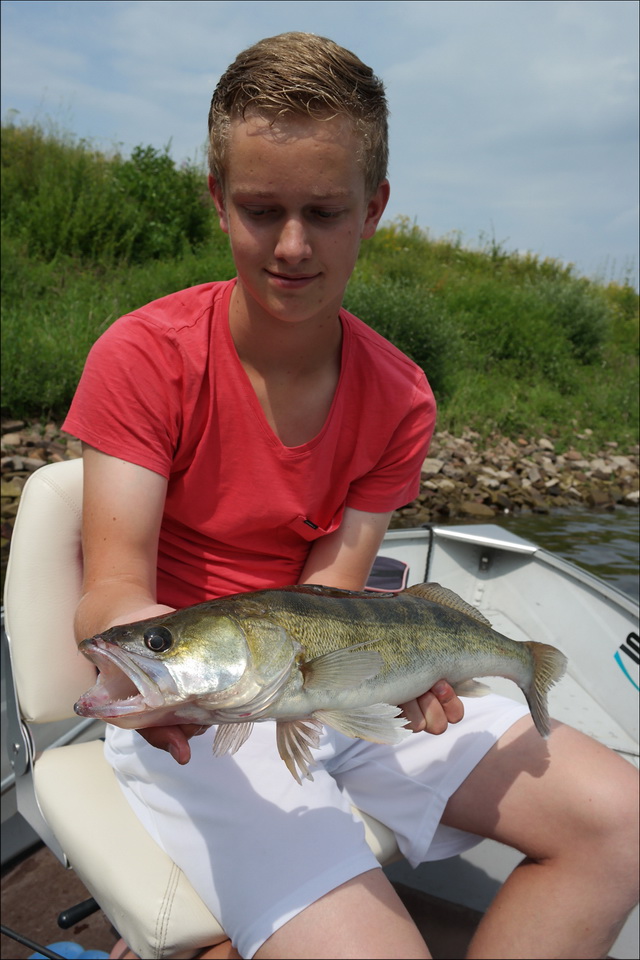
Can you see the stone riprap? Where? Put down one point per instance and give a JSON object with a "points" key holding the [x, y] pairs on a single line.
{"points": [[463, 478], [468, 478]]}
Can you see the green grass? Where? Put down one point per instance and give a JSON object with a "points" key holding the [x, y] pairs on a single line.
{"points": [[53, 312], [511, 344]]}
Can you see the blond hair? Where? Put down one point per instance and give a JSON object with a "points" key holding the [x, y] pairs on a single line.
{"points": [[300, 74]]}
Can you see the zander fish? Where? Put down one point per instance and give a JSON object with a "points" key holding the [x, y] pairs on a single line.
{"points": [[304, 656]]}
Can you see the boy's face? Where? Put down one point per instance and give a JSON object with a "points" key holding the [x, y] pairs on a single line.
{"points": [[295, 208]]}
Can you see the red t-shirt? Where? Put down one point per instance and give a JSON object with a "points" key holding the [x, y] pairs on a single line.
{"points": [[164, 388]]}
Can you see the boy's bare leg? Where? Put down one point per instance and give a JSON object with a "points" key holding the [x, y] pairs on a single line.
{"points": [[221, 951], [363, 919], [570, 805]]}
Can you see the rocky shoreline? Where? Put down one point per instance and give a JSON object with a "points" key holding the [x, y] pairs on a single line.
{"points": [[463, 477], [467, 478]]}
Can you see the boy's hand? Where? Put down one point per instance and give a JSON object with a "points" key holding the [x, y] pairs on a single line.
{"points": [[434, 710], [174, 739]]}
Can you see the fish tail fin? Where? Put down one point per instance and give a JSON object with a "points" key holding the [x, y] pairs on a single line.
{"points": [[548, 667]]}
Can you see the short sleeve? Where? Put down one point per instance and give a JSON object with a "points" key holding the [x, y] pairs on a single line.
{"points": [[128, 401], [395, 480]]}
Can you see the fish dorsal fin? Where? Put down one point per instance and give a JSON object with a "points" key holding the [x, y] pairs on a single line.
{"points": [[446, 598], [294, 739], [379, 722], [230, 737], [319, 590], [342, 668]]}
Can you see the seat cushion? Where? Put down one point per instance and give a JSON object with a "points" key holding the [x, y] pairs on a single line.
{"points": [[142, 892], [42, 588]]}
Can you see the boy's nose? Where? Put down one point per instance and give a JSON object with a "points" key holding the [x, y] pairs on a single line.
{"points": [[293, 244]]}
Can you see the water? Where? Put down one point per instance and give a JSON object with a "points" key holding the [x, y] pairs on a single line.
{"points": [[604, 543]]}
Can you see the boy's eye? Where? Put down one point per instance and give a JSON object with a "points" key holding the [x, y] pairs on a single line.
{"points": [[258, 212], [318, 213], [324, 214]]}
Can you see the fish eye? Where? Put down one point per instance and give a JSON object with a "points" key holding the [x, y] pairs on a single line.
{"points": [[158, 639]]}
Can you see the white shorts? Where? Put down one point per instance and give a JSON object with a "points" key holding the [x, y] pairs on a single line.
{"points": [[259, 848]]}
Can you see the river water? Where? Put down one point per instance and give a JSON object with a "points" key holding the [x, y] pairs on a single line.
{"points": [[606, 543]]}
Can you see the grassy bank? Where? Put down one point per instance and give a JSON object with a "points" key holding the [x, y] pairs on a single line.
{"points": [[511, 344]]}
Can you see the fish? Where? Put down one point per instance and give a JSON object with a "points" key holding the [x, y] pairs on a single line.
{"points": [[304, 656]]}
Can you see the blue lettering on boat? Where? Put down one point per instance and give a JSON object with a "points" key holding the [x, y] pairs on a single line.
{"points": [[626, 652]]}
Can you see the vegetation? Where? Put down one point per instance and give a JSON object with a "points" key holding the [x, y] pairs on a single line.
{"points": [[511, 344]]}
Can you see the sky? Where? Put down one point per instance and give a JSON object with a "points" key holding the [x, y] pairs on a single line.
{"points": [[513, 122]]}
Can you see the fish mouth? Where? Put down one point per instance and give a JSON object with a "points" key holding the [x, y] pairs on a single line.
{"points": [[124, 686]]}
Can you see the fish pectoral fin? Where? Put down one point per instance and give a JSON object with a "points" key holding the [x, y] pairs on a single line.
{"points": [[446, 598], [230, 737], [379, 722], [294, 739], [343, 668], [471, 688]]}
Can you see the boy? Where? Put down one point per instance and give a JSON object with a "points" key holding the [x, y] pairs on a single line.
{"points": [[250, 434]]}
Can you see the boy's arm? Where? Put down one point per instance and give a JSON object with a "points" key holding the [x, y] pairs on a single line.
{"points": [[122, 511], [344, 559]]}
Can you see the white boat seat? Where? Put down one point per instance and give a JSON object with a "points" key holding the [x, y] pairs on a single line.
{"points": [[69, 794]]}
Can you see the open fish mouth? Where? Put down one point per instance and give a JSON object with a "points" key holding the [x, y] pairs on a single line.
{"points": [[123, 687]]}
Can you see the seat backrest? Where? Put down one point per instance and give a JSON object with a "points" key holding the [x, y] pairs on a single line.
{"points": [[42, 589]]}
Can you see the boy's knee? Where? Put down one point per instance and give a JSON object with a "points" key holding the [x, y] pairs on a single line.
{"points": [[611, 809]]}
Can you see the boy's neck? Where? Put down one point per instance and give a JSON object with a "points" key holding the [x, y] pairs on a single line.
{"points": [[294, 368], [266, 344]]}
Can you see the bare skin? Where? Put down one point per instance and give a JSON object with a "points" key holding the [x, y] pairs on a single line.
{"points": [[578, 831]]}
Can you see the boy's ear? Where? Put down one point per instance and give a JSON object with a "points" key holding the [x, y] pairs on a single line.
{"points": [[375, 209], [217, 195]]}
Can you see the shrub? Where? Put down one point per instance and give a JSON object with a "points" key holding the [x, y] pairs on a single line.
{"points": [[61, 197], [410, 318]]}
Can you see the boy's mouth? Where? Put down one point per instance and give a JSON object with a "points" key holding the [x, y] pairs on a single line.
{"points": [[295, 279]]}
